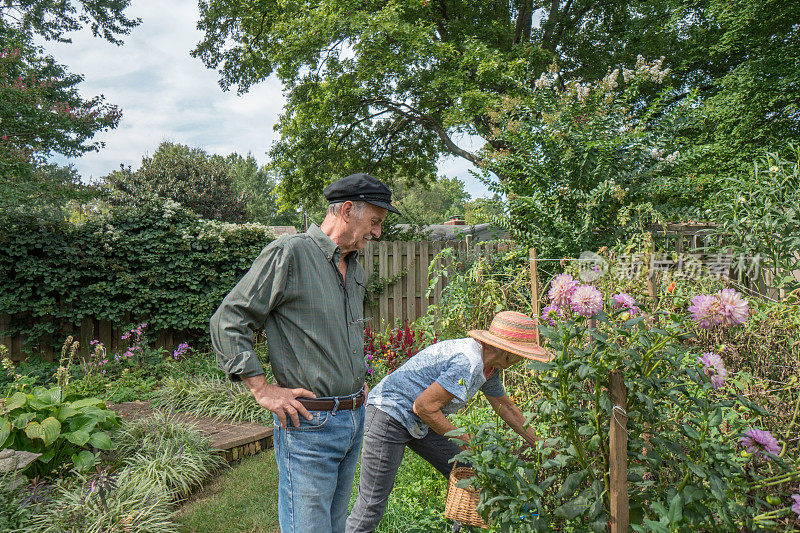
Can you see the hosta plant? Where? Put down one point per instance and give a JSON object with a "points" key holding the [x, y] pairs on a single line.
{"points": [[68, 432]]}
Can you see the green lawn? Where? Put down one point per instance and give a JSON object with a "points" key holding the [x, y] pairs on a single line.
{"points": [[244, 498]]}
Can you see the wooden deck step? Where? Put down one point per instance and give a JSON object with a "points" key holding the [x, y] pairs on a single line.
{"points": [[234, 440]]}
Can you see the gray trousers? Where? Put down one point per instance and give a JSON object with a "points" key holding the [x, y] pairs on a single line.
{"points": [[385, 440]]}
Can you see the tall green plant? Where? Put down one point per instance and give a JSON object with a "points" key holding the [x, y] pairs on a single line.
{"points": [[685, 427], [758, 216]]}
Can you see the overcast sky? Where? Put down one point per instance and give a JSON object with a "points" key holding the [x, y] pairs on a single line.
{"points": [[165, 94]]}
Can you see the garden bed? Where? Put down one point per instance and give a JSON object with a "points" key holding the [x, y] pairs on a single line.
{"points": [[234, 440]]}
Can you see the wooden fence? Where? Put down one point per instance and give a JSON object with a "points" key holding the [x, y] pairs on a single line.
{"points": [[398, 272], [91, 328]]}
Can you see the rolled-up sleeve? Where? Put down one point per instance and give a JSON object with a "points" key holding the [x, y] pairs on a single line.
{"points": [[245, 309]]}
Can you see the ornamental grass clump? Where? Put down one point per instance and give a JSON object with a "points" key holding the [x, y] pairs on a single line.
{"points": [[210, 396], [687, 425], [102, 504], [166, 454]]}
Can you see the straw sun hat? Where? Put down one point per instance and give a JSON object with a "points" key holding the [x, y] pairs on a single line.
{"points": [[515, 333]]}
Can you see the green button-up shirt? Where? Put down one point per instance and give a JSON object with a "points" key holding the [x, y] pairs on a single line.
{"points": [[313, 318]]}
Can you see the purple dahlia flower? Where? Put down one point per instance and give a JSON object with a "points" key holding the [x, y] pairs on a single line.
{"points": [[760, 441]]}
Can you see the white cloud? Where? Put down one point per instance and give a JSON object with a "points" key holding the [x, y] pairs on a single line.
{"points": [[165, 94]]}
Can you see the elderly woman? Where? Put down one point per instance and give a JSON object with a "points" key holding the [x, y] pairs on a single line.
{"points": [[416, 397]]}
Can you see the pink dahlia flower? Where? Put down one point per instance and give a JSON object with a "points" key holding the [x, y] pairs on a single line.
{"points": [[704, 310], [625, 301], [561, 288], [732, 307], [760, 441], [550, 313], [586, 301], [714, 367]]}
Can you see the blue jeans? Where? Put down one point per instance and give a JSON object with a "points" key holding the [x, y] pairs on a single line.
{"points": [[316, 465]]}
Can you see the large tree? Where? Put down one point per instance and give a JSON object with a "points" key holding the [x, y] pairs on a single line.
{"points": [[41, 110], [388, 87], [258, 185]]}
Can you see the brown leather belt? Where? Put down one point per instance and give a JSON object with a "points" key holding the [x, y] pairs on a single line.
{"points": [[329, 405]]}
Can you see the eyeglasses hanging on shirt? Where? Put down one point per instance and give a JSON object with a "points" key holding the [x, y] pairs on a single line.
{"points": [[350, 318]]}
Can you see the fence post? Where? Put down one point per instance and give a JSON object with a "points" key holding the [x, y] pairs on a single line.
{"points": [[535, 290], [618, 454]]}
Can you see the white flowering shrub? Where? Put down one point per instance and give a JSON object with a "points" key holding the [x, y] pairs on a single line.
{"points": [[579, 161]]}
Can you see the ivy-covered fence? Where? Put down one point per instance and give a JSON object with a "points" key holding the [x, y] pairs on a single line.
{"points": [[158, 264]]}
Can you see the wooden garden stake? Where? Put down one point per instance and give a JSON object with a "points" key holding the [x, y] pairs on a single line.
{"points": [[618, 454], [652, 282], [535, 291]]}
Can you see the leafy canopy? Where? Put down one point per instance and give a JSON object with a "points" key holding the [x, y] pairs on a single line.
{"points": [[388, 87], [383, 87], [41, 111]]}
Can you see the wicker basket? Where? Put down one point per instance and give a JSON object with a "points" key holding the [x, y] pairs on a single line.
{"points": [[461, 503]]}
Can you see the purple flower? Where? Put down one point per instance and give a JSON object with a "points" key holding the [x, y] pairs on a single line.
{"points": [[370, 371], [796, 506], [760, 441], [561, 289], [181, 351], [714, 367], [586, 301], [704, 310], [732, 308], [550, 313], [623, 299]]}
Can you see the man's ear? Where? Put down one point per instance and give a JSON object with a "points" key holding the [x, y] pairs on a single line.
{"points": [[347, 210]]}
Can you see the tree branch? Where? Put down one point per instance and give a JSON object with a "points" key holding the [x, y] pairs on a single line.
{"points": [[524, 21], [430, 123]]}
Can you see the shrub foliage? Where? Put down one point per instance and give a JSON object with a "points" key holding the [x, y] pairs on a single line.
{"points": [[157, 261]]}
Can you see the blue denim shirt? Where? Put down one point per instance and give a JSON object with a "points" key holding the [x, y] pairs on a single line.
{"points": [[457, 365]]}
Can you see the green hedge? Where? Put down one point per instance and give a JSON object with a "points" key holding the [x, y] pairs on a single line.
{"points": [[160, 263]]}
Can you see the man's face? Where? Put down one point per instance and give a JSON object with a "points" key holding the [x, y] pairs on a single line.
{"points": [[367, 225]]}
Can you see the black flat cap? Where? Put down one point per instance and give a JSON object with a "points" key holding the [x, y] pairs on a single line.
{"points": [[360, 187]]}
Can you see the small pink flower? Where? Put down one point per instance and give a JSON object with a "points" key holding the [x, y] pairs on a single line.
{"points": [[760, 441], [714, 367], [732, 308], [550, 313], [586, 301], [561, 288], [704, 310]]}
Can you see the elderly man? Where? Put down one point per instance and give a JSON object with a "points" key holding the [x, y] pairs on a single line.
{"points": [[416, 397], [307, 291]]}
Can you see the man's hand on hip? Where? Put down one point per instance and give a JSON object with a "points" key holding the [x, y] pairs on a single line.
{"points": [[281, 401]]}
